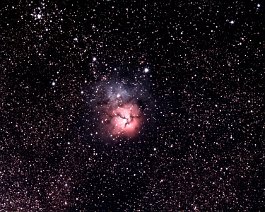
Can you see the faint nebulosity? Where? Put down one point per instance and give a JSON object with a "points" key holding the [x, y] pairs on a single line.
{"points": [[119, 105]]}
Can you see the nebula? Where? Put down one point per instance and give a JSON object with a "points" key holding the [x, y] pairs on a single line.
{"points": [[125, 120], [122, 120], [118, 110]]}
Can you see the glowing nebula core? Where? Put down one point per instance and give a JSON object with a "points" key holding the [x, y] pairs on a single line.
{"points": [[124, 120]]}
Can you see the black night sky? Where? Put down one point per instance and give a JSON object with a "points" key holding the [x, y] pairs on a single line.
{"points": [[132, 105]]}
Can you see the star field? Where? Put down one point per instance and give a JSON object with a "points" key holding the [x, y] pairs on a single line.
{"points": [[132, 105]]}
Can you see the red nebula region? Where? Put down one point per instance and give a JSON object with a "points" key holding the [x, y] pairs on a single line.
{"points": [[124, 120]]}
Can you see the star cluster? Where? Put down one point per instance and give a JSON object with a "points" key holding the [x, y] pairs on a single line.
{"points": [[132, 105]]}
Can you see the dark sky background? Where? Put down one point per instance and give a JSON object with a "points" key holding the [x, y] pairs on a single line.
{"points": [[194, 68]]}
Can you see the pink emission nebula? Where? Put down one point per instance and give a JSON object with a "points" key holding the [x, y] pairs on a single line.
{"points": [[124, 120]]}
